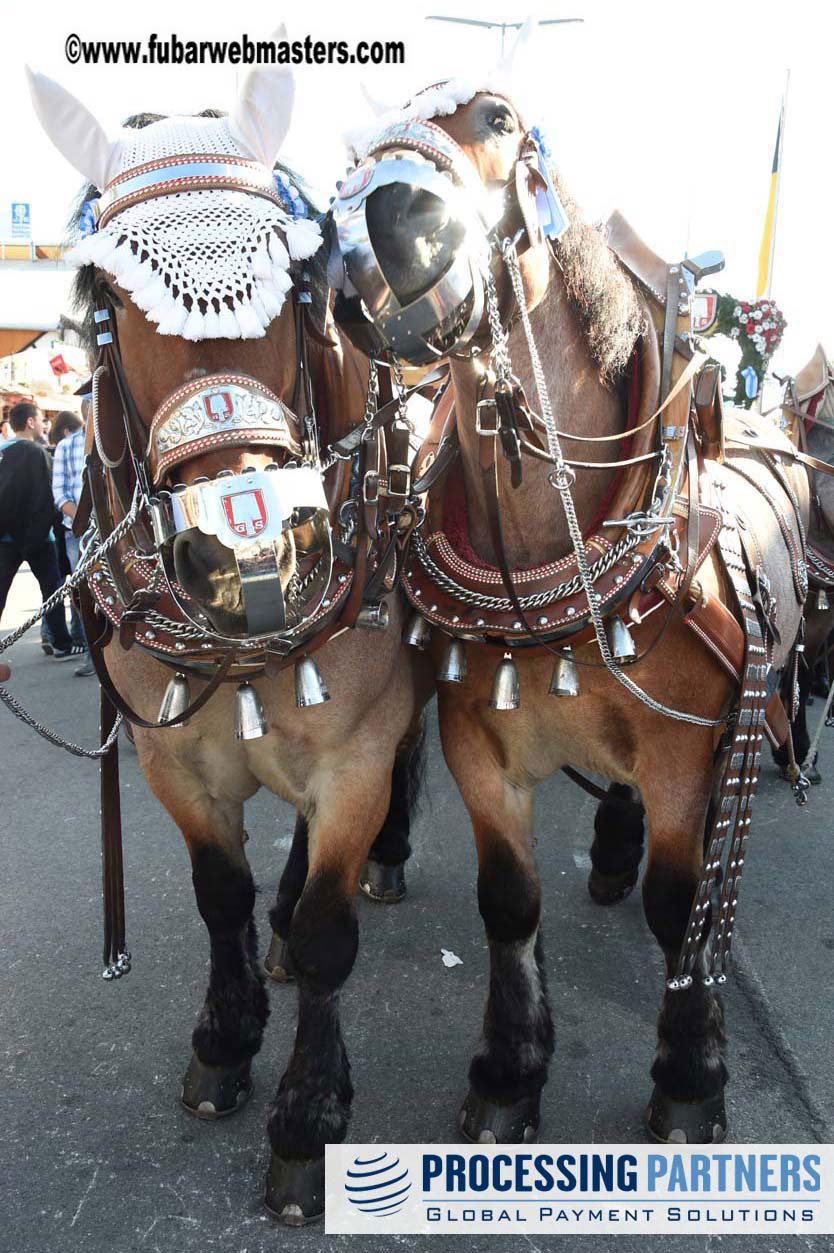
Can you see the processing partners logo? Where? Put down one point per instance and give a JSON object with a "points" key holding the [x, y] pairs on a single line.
{"points": [[581, 1189], [377, 1184]]}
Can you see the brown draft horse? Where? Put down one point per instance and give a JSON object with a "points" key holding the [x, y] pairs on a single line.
{"points": [[333, 762], [589, 321], [808, 414]]}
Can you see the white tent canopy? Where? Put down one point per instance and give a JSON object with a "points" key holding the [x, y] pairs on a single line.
{"points": [[32, 298]]}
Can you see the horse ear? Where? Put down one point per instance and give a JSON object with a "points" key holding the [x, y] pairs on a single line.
{"points": [[378, 107], [261, 115], [72, 128]]}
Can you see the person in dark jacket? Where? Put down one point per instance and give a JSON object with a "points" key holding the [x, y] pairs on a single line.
{"points": [[26, 515]]}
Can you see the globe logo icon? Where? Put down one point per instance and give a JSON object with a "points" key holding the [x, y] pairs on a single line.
{"points": [[377, 1185]]}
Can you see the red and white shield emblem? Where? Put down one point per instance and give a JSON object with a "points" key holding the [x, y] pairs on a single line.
{"points": [[245, 512], [704, 311], [218, 406]]}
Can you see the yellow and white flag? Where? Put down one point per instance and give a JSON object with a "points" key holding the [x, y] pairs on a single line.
{"points": [[766, 248]]}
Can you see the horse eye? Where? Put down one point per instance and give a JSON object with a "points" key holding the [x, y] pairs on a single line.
{"points": [[501, 121]]}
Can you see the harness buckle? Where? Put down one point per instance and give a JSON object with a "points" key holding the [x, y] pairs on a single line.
{"points": [[370, 487], [399, 480], [480, 429]]}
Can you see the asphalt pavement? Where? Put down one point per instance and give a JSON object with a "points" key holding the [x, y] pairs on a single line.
{"points": [[95, 1152]]}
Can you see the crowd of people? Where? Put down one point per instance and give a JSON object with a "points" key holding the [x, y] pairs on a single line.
{"points": [[41, 470]]}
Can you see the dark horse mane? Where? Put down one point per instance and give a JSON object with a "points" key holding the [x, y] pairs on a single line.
{"points": [[600, 292], [84, 287]]}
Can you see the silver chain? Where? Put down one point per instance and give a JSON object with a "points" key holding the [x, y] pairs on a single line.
{"points": [[399, 386], [53, 737], [500, 356], [372, 394], [328, 458], [94, 553], [537, 600], [91, 556], [561, 479]]}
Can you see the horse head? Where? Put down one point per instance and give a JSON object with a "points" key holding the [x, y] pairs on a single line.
{"points": [[196, 255], [445, 183]]}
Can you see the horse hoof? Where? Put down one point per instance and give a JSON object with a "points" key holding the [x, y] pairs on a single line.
{"points": [[486, 1122], [384, 884], [684, 1122], [215, 1091], [278, 963], [610, 889], [811, 774], [295, 1190]]}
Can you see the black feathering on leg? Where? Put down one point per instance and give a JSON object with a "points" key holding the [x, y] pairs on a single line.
{"points": [[689, 1064], [618, 834], [230, 1026], [312, 1105], [518, 1038]]}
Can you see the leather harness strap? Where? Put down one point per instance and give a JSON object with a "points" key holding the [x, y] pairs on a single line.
{"points": [[725, 851], [98, 638], [116, 957]]}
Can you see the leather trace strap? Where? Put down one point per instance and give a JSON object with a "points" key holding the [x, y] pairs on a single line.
{"points": [[713, 915], [116, 956]]}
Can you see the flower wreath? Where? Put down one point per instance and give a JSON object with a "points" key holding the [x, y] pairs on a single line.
{"points": [[758, 326]]}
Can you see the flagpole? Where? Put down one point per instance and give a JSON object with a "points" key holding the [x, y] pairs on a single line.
{"points": [[759, 403], [778, 183]]}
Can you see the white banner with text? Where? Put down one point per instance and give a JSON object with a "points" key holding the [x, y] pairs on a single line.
{"points": [[580, 1188]]}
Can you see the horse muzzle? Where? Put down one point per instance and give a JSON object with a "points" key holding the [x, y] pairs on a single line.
{"points": [[412, 224], [240, 529]]}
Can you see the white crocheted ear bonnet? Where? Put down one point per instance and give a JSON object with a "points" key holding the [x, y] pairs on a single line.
{"points": [[202, 264], [506, 78]]}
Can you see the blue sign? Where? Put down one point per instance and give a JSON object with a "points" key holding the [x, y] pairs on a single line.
{"points": [[21, 219]]}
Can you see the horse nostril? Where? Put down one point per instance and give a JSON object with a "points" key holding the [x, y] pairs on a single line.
{"points": [[182, 560]]}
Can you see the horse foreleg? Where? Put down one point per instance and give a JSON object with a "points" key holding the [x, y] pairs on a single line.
{"points": [[278, 963], [383, 875], [689, 1069], [312, 1105], [509, 1068], [230, 1026], [618, 846]]}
